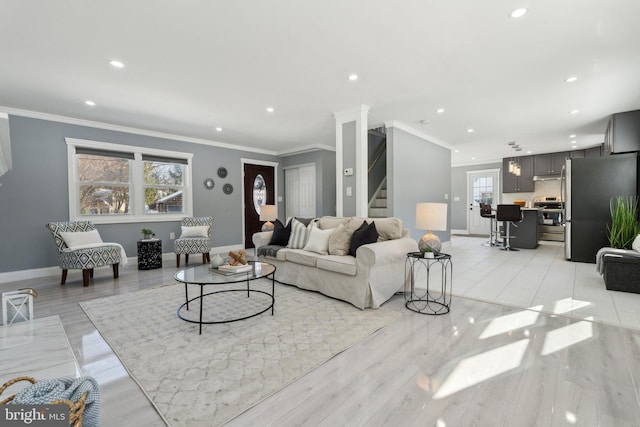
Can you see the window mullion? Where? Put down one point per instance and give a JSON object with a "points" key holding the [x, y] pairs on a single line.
{"points": [[137, 185]]}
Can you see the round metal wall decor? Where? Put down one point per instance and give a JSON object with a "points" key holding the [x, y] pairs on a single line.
{"points": [[227, 189], [209, 184], [222, 172]]}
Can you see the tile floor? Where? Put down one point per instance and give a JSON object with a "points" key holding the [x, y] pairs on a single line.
{"points": [[540, 279]]}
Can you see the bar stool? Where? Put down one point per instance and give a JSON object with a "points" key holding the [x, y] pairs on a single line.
{"points": [[487, 212], [508, 214]]}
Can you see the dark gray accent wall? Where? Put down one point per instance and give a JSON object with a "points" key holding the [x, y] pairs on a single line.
{"points": [[417, 171], [459, 190], [349, 161], [35, 191], [325, 162]]}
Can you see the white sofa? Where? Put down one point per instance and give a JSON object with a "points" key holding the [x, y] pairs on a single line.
{"points": [[366, 280]]}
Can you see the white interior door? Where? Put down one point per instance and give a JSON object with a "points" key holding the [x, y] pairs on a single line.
{"points": [[483, 186], [307, 191], [300, 191], [292, 192]]}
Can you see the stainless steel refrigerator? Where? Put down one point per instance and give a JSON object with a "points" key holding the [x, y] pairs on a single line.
{"points": [[588, 187]]}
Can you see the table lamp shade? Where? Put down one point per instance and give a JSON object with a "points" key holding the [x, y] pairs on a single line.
{"points": [[268, 213], [431, 216]]}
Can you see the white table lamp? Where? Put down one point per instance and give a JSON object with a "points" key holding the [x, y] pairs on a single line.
{"points": [[431, 216], [268, 213]]}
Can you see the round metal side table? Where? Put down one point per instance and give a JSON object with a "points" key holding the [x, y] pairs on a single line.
{"points": [[436, 274]]}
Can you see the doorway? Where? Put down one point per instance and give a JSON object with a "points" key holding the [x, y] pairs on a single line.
{"points": [[259, 189], [300, 191], [482, 186]]}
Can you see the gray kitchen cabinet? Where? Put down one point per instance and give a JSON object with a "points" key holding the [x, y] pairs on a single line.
{"points": [[575, 154], [518, 184], [549, 164], [623, 133], [594, 151]]}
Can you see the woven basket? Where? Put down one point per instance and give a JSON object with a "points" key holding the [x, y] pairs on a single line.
{"points": [[76, 409]]}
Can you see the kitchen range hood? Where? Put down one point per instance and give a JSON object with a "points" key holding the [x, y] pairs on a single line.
{"points": [[547, 177]]}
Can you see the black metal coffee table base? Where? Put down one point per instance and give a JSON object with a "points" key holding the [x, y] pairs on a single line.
{"points": [[235, 319], [203, 276]]}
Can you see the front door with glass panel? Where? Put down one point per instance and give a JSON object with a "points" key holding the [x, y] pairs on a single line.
{"points": [[258, 190], [482, 187]]}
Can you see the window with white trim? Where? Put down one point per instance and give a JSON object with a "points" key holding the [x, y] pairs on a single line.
{"points": [[111, 183]]}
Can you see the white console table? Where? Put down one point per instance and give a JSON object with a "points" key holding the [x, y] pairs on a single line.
{"points": [[39, 349]]}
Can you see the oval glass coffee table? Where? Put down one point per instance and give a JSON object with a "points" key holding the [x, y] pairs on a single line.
{"points": [[230, 303]]}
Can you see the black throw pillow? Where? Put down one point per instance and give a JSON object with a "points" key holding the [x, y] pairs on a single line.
{"points": [[363, 235], [280, 236]]}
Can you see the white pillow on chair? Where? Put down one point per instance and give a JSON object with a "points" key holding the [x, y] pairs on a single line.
{"points": [[196, 231], [78, 238]]}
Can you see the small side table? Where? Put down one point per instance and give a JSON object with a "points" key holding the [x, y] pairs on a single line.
{"points": [[149, 254], [436, 297]]}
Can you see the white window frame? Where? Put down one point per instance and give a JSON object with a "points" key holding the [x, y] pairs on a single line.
{"points": [[137, 183]]}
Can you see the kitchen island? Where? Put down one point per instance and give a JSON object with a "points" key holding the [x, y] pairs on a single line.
{"points": [[526, 233]]}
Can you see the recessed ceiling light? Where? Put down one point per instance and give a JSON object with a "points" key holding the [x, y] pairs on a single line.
{"points": [[473, 158], [90, 103], [575, 111], [219, 129], [440, 110], [518, 13], [353, 77], [456, 151], [270, 109], [573, 135], [116, 64], [574, 142], [470, 130], [571, 79], [529, 152]]}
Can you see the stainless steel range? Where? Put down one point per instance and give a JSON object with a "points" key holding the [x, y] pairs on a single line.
{"points": [[552, 217]]}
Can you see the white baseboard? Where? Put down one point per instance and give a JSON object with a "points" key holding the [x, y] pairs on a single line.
{"points": [[132, 262], [459, 231]]}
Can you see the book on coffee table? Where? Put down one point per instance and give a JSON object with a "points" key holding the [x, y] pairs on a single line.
{"points": [[236, 268]]}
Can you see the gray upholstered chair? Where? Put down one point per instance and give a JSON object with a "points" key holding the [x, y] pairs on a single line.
{"points": [[85, 259], [194, 245]]}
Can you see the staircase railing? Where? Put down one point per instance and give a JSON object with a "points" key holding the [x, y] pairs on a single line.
{"points": [[382, 150]]}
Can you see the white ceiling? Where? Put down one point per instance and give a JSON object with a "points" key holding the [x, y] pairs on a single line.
{"points": [[193, 65]]}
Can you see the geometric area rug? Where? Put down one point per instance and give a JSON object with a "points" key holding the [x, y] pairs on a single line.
{"points": [[208, 379]]}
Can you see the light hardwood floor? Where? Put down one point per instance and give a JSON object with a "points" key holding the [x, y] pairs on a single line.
{"points": [[490, 362]]}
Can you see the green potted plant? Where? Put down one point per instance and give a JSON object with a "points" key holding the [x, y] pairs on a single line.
{"points": [[428, 252], [146, 233], [624, 222]]}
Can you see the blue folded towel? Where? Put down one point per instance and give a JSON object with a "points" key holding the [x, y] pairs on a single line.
{"points": [[46, 391]]}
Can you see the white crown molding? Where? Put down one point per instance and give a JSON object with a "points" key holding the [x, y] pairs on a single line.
{"points": [[475, 163], [135, 131], [305, 149], [414, 132], [476, 171]]}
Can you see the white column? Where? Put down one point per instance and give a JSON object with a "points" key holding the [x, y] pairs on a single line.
{"points": [[360, 117]]}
